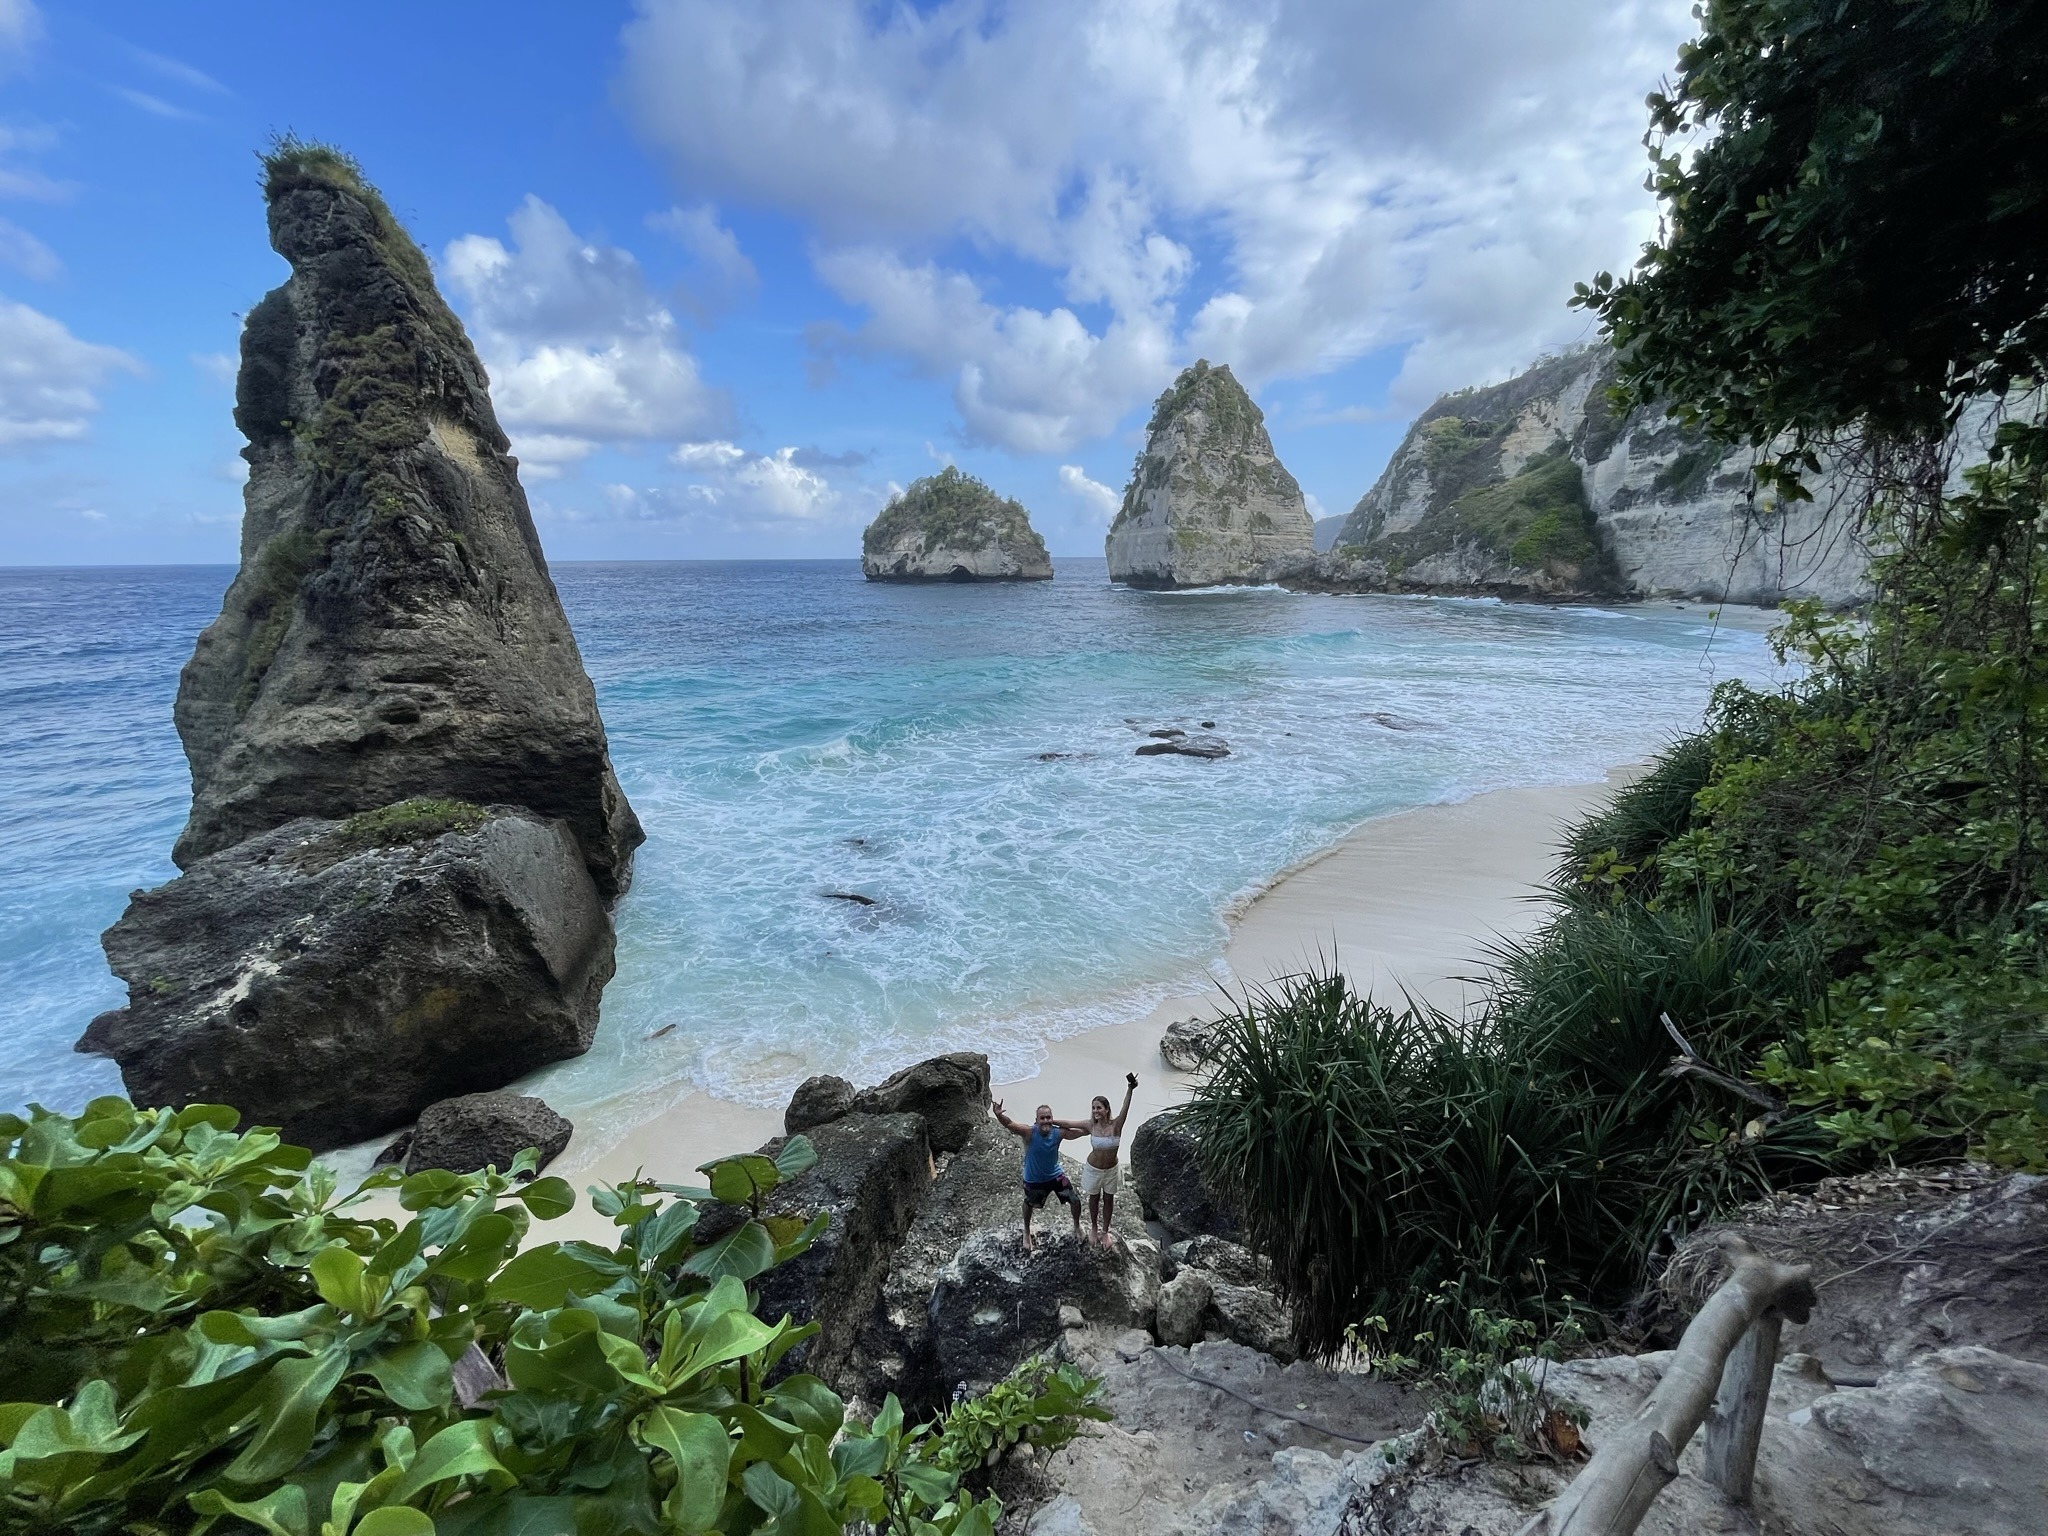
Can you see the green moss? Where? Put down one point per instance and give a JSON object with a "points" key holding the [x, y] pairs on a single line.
{"points": [[1537, 521], [952, 510], [270, 598], [293, 162], [399, 825]]}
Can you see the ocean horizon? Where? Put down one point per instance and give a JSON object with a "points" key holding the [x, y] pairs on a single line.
{"points": [[960, 759]]}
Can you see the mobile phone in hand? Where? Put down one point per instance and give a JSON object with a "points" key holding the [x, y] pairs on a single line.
{"points": [[1131, 1078]]}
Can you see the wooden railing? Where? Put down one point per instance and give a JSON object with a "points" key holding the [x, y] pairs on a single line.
{"points": [[1719, 1375]]}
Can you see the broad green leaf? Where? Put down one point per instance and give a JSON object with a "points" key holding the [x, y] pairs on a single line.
{"points": [[770, 1489], [338, 1276], [289, 1401], [416, 1375], [927, 1482], [432, 1188], [809, 1404], [744, 1252], [399, 1252], [548, 1198], [463, 1449], [395, 1520], [790, 1238], [281, 1512], [660, 1238], [797, 1156], [542, 1278], [571, 1362], [702, 1452], [479, 1251]]}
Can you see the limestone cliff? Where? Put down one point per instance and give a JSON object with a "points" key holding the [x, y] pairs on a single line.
{"points": [[393, 630], [1209, 502], [951, 527], [1534, 487], [405, 830]]}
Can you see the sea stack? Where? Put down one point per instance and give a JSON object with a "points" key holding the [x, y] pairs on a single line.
{"points": [[405, 833], [1209, 503], [951, 527]]}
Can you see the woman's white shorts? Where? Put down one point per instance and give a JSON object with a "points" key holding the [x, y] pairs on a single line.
{"points": [[1099, 1181]]}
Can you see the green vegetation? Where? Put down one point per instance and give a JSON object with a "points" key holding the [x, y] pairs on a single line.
{"points": [[1838, 891], [952, 510], [196, 1334], [1539, 520], [1490, 1397], [399, 825], [270, 598]]}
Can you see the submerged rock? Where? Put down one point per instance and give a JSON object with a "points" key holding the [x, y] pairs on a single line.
{"points": [[951, 527], [323, 980], [390, 658], [486, 1130], [1208, 502], [1179, 745]]}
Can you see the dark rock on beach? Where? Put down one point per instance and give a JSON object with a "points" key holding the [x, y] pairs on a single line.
{"points": [[1167, 1174], [1188, 1044], [405, 830], [949, 1092], [486, 1130], [816, 1101], [336, 991]]}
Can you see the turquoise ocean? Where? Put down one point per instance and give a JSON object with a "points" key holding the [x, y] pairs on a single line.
{"points": [[962, 756]]}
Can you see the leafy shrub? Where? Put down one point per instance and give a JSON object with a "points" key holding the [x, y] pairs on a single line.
{"points": [[196, 1333], [1489, 1397]]}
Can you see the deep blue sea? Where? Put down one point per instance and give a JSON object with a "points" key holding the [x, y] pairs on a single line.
{"points": [[963, 756]]}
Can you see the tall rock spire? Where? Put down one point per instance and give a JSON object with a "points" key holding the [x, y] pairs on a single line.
{"points": [[1208, 502]]}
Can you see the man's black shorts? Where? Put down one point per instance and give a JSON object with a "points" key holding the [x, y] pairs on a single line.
{"points": [[1036, 1190]]}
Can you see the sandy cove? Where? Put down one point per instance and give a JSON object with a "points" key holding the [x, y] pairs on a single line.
{"points": [[1407, 900]]}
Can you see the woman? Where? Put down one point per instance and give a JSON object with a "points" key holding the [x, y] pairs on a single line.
{"points": [[1099, 1175]]}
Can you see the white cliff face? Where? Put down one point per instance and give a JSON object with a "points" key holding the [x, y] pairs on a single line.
{"points": [[951, 527], [1673, 514], [1209, 503]]}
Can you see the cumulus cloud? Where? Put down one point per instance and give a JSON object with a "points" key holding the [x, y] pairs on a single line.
{"points": [[1284, 186], [580, 352], [26, 254], [755, 488], [721, 274], [49, 379], [1098, 498]]}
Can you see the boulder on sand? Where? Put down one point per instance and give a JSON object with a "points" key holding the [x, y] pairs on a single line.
{"points": [[1166, 1172], [1188, 1044], [816, 1101], [485, 1130], [332, 983]]}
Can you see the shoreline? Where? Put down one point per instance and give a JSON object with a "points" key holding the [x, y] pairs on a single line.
{"points": [[1407, 900]]}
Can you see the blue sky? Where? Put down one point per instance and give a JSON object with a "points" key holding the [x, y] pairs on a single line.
{"points": [[740, 268]]}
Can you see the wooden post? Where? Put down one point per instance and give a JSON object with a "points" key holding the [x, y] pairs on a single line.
{"points": [[1735, 1428], [1628, 1471]]}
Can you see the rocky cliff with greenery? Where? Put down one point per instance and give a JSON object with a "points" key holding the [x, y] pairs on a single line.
{"points": [[1208, 501], [389, 715], [951, 527], [1537, 487]]}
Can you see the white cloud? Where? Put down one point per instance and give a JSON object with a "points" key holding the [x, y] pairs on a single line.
{"points": [[154, 105], [723, 276], [1284, 186], [21, 27], [215, 367], [49, 379], [754, 488], [1099, 498], [579, 351], [26, 254]]}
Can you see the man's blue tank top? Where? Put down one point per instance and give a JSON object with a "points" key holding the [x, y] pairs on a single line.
{"points": [[1042, 1155]]}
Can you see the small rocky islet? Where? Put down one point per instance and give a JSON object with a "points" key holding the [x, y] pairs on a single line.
{"points": [[406, 835], [952, 527]]}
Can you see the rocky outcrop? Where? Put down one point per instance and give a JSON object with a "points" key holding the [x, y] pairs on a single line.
{"points": [[391, 658], [1188, 1044], [951, 527], [334, 978], [994, 1305], [1534, 488], [486, 1130], [1166, 1171], [1209, 503]]}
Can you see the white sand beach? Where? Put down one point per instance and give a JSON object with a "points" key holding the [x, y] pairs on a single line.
{"points": [[1408, 901]]}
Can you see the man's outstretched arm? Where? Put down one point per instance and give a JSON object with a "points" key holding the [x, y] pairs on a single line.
{"points": [[1006, 1122]]}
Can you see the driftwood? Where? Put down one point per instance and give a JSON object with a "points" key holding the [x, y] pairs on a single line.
{"points": [[1721, 1368], [1689, 1063]]}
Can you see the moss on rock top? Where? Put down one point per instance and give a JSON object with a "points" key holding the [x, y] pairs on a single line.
{"points": [[953, 511]]}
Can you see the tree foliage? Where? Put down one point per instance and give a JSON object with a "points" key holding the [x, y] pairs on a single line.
{"points": [[1855, 203], [198, 1335]]}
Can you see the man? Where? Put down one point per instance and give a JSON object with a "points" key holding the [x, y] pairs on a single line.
{"points": [[1042, 1172]]}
